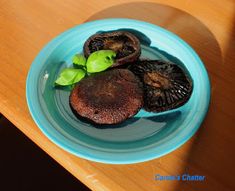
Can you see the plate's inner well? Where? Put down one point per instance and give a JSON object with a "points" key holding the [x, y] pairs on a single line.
{"points": [[147, 127]]}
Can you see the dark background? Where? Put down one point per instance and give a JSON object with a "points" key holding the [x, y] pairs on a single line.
{"points": [[25, 167]]}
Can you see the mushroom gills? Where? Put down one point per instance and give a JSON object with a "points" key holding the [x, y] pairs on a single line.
{"points": [[166, 85], [120, 44], [125, 44]]}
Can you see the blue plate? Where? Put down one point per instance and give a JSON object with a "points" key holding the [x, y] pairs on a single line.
{"points": [[145, 136]]}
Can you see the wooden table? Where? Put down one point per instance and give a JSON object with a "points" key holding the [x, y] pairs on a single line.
{"points": [[208, 26]]}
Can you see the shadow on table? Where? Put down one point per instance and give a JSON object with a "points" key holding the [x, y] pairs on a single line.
{"points": [[210, 153]]}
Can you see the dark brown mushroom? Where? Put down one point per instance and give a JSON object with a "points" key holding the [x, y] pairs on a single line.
{"points": [[125, 44], [166, 85], [108, 97]]}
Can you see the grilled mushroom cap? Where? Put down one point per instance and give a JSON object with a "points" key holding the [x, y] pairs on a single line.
{"points": [[125, 44], [108, 97], [166, 86]]}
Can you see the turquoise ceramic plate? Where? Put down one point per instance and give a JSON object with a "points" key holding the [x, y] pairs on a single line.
{"points": [[143, 137]]}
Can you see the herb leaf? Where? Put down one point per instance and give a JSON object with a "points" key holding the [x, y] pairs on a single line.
{"points": [[79, 60], [70, 76], [100, 60]]}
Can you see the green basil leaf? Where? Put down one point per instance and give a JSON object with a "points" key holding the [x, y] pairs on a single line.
{"points": [[81, 74], [69, 76], [79, 60], [100, 60]]}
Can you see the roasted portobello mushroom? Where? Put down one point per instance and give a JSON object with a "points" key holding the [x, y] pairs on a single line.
{"points": [[125, 44], [166, 85], [108, 97]]}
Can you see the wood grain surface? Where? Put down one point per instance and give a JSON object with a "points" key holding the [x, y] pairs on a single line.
{"points": [[208, 26]]}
